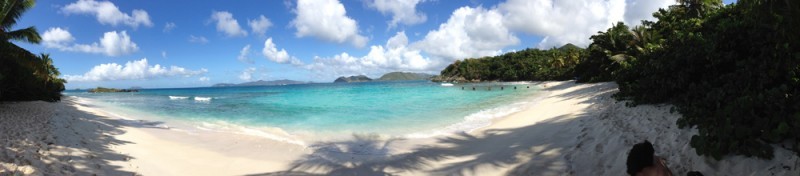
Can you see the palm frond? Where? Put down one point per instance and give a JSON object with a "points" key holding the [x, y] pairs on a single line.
{"points": [[12, 11], [29, 35]]}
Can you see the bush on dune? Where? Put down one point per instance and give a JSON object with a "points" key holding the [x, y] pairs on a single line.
{"points": [[732, 71]]}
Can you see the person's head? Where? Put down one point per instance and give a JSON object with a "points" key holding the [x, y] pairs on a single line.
{"points": [[640, 157], [642, 161]]}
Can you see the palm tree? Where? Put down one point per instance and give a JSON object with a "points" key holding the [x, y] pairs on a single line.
{"points": [[46, 69], [615, 43], [23, 75], [558, 60], [642, 36], [10, 12]]}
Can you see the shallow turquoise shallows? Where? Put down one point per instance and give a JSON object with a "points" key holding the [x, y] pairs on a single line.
{"points": [[392, 108]]}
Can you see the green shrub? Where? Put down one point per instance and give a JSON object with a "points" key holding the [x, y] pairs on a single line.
{"points": [[732, 72]]}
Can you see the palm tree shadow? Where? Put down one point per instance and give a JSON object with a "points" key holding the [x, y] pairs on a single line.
{"points": [[505, 148], [78, 142], [590, 92], [363, 155], [461, 154]]}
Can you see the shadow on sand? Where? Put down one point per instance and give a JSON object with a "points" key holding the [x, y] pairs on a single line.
{"points": [[63, 151], [539, 149], [460, 154]]}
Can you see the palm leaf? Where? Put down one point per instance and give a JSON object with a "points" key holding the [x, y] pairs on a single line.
{"points": [[12, 11], [29, 35]]}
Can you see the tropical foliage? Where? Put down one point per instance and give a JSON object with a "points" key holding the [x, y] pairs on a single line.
{"points": [[732, 71], [24, 75], [609, 52], [528, 64]]}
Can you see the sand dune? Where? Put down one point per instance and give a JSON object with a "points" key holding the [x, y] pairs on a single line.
{"points": [[575, 129]]}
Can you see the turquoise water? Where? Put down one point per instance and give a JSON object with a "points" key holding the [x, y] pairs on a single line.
{"points": [[394, 108]]}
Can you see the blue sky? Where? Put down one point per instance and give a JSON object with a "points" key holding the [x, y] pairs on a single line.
{"points": [[199, 43]]}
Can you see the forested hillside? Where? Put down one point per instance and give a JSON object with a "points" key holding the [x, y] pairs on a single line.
{"points": [[528, 64]]}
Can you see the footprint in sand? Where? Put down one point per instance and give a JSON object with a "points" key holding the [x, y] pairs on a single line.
{"points": [[598, 148]]}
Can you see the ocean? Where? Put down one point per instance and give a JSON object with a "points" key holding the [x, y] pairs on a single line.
{"points": [[407, 108]]}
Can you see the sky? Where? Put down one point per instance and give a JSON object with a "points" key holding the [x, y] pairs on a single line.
{"points": [[183, 43]]}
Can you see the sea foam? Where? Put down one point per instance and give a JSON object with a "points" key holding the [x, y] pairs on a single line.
{"points": [[177, 97], [477, 120], [273, 133], [203, 99]]}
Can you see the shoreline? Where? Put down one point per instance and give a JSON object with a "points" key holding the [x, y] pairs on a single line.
{"points": [[574, 129], [471, 122]]}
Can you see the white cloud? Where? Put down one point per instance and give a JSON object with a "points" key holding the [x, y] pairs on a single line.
{"points": [[562, 22], [476, 32], [636, 11], [394, 56], [272, 53], [226, 24], [259, 26], [112, 43], [327, 20], [132, 70], [243, 55], [163, 54], [204, 79], [403, 11], [56, 37], [169, 26], [470, 32], [247, 74], [108, 13], [198, 39]]}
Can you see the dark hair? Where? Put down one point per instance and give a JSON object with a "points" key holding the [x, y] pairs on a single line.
{"points": [[640, 157]]}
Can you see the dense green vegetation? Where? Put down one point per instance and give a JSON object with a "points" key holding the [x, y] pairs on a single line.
{"points": [[24, 75], [612, 51], [528, 64], [732, 71], [109, 90]]}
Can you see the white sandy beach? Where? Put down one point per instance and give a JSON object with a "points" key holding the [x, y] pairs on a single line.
{"points": [[575, 129]]}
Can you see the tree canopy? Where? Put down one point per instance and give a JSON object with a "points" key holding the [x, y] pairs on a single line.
{"points": [[732, 71], [528, 64], [24, 75]]}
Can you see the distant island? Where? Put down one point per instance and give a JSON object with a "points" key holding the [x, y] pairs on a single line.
{"points": [[403, 76], [109, 90], [261, 83], [359, 78], [392, 76]]}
